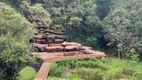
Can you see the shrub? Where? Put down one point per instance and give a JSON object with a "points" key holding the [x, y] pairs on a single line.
{"points": [[95, 69], [138, 74], [97, 74], [56, 70], [114, 73], [89, 63], [90, 74], [74, 77], [129, 67], [53, 78]]}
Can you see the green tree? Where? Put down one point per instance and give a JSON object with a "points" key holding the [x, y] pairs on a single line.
{"points": [[124, 19], [103, 8], [36, 12], [14, 3], [14, 24], [76, 17], [126, 4], [13, 57], [15, 32], [121, 32]]}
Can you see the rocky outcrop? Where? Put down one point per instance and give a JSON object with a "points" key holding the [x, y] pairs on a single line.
{"points": [[52, 45]]}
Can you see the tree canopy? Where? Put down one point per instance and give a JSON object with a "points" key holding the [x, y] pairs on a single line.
{"points": [[15, 32], [123, 27], [114, 25]]}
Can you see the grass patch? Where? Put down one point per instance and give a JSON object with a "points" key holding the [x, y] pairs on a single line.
{"points": [[54, 78], [28, 73]]}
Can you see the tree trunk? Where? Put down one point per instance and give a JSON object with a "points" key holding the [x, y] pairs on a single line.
{"points": [[123, 56], [118, 54]]}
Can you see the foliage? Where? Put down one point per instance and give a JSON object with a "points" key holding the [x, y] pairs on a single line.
{"points": [[78, 18], [121, 32], [104, 69], [138, 74], [114, 73], [90, 74], [14, 24], [14, 3], [54, 78], [79, 63], [74, 77], [15, 32], [13, 57], [56, 70], [127, 4], [91, 22], [103, 7], [36, 12], [134, 56], [94, 23]]}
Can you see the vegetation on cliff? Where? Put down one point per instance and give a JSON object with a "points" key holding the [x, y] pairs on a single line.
{"points": [[113, 26]]}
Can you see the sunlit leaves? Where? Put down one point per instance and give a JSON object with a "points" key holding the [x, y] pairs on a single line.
{"points": [[36, 11], [15, 32], [14, 23]]}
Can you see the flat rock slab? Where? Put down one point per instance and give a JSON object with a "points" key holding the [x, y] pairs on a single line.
{"points": [[43, 55]]}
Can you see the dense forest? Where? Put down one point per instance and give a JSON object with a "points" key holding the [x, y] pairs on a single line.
{"points": [[112, 26]]}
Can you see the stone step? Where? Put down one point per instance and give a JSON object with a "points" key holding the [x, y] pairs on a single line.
{"points": [[69, 46], [61, 48], [50, 41], [71, 53], [41, 36], [58, 48]]}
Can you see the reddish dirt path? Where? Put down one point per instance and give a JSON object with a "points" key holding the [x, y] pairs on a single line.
{"points": [[49, 57]]}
